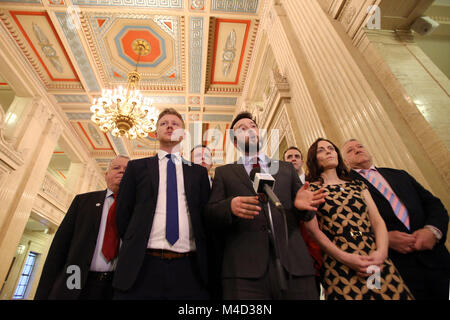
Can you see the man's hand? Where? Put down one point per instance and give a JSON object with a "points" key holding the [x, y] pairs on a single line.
{"points": [[402, 242], [307, 199], [425, 239], [245, 207]]}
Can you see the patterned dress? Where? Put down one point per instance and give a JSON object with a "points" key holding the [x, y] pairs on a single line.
{"points": [[344, 219]]}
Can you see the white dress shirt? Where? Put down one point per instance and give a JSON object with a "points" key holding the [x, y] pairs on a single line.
{"points": [[302, 177], [99, 262], [157, 240], [248, 162]]}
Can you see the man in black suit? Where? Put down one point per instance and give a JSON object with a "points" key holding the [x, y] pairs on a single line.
{"points": [[201, 155], [159, 218], [76, 266], [416, 237], [249, 268]]}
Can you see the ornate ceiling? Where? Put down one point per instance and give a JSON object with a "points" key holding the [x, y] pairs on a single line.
{"points": [[198, 61]]}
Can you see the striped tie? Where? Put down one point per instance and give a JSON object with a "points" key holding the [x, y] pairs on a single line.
{"points": [[397, 206]]}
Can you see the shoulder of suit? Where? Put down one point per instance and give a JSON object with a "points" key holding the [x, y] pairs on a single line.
{"points": [[90, 194], [391, 170], [142, 160], [227, 166]]}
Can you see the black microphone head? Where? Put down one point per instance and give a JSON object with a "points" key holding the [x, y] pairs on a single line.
{"points": [[254, 172]]}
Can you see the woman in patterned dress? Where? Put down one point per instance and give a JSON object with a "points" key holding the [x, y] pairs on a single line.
{"points": [[351, 233]]}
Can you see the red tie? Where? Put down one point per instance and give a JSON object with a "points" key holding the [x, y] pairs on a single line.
{"points": [[256, 165], [111, 239]]}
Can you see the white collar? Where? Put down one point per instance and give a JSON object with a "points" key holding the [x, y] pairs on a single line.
{"points": [[108, 192], [263, 159], [162, 154]]}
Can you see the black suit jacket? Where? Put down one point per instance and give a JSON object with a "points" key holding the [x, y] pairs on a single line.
{"points": [[74, 244], [136, 204], [423, 209], [246, 242]]}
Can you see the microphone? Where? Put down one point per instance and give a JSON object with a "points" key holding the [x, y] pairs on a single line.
{"points": [[263, 183]]}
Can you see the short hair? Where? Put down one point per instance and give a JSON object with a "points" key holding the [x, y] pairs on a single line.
{"points": [[349, 140], [171, 111], [118, 156], [292, 148], [240, 116]]}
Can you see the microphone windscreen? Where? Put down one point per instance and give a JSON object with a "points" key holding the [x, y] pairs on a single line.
{"points": [[254, 172]]}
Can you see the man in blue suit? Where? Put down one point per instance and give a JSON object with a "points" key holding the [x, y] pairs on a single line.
{"points": [[159, 219]]}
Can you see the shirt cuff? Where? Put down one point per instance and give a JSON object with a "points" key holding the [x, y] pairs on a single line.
{"points": [[437, 233]]}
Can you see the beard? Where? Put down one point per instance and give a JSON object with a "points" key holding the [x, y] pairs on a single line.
{"points": [[249, 147]]}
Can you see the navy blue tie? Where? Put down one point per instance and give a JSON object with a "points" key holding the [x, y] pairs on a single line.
{"points": [[171, 202]]}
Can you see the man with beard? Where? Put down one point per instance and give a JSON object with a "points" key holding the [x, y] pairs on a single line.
{"points": [[251, 251]]}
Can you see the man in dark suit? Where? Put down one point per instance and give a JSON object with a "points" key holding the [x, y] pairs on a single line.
{"points": [[249, 268], [76, 265], [295, 156], [201, 155], [416, 220], [159, 218]]}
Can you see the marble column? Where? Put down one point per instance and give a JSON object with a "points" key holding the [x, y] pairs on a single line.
{"points": [[36, 144]]}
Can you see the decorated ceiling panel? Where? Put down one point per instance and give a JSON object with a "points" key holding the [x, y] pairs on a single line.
{"points": [[199, 53], [39, 42], [113, 36]]}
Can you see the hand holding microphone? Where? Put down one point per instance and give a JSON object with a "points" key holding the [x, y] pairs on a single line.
{"points": [[263, 185]]}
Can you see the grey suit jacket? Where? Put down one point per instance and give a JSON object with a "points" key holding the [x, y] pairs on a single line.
{"points": [[246, 242]]}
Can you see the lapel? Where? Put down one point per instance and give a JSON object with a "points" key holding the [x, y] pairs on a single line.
{"points": [[98, 201], [153, 174], [241, 174], [371, 187], [187, 179], [395, 187], [276, 166], [398, 188], [395, 184]]}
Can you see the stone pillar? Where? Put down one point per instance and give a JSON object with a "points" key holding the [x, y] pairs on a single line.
{"points": [[37, 145], [331, 96], [421, 95], [74, 177]]}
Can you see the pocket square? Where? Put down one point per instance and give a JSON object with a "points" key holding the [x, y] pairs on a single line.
{"points": [[98, 204]]}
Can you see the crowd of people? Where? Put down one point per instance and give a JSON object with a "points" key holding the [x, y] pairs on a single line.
{"points": [[165, 230]]}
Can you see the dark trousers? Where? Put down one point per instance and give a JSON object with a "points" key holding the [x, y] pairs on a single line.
{"points": [[267, 287], [166, 279], [425, 283], [97, 287]]}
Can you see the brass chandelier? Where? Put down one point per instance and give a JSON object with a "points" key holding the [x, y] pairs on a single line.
{"points": [[124, 111]]}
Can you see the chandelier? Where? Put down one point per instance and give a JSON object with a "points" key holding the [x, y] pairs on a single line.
{"points": [[124, 111]]}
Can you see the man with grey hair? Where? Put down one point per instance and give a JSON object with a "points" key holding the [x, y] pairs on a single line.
{"points": [[82, 258], [417, 223]]}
